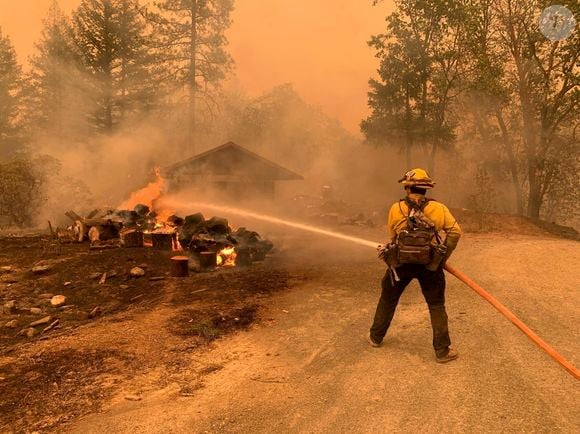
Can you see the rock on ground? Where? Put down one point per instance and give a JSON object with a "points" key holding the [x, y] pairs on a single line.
{"points": [[11, 324], [40, 269], [58, 300], [41, 321], [137, 272]]}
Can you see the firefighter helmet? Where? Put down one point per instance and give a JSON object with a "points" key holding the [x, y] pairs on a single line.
{"points": [[417, 178]]}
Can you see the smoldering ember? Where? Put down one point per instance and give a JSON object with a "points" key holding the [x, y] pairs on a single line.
{"points": [[222, 216]]}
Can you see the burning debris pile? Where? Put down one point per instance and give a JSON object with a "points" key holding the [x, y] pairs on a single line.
{"points": [[209, 242], [214, 241]]}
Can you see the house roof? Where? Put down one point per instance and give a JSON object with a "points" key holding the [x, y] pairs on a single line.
{"points": [[232, 159]]}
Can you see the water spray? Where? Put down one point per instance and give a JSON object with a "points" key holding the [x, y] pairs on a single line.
{"points": [[367, 243], [266, 218]]}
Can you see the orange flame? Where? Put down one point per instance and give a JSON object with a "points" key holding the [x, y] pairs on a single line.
{"points": [[150, 196], [147, 195], [227, 257]]}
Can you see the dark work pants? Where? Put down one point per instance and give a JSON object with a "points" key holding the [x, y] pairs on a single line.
{"points": [[433, 287]]}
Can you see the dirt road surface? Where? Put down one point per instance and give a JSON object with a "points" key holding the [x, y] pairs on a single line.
{"points": [[308, 369]]}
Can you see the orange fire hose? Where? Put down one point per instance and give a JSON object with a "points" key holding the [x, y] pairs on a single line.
{"points": [[509, 315]]}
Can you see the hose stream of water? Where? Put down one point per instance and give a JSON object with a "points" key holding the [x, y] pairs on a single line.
{"points": [[174, 204]]}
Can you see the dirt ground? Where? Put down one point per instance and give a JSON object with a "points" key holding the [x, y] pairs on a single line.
{"points": [[110, 331], [166, 355]]}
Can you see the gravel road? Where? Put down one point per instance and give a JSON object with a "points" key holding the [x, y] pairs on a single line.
{"points": [[306, 368]]}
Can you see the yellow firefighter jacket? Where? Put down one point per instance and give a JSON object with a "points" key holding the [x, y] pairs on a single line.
{"points": [[438, 213]]}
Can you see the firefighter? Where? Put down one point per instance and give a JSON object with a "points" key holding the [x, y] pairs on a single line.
{"points": [[417, 250]]}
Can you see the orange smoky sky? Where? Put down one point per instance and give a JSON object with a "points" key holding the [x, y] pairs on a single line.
{"points": [[318, 45]]}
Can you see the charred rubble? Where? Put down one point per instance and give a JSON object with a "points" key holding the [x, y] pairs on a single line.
{"points": [[209, 241]]}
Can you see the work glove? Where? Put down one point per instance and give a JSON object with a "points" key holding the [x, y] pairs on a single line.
{"points": [[439, 255], [451, 242], [388, 254], [382, 250]]}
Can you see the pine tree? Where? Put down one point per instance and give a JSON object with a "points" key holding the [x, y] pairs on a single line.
{"points": [[10, 97], [137, 73], [192, 42], [111, 38], [57, 102]]}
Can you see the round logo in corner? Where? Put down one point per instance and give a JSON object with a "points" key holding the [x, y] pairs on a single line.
{"points": [[557, 22]]}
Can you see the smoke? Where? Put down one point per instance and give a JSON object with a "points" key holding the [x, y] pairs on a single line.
{"points": [[267, 55], [279, 124]]}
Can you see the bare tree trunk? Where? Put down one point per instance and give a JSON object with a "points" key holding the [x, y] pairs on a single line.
{"points": [[123, 86], [192, 77], [108, 103], [523, 64], [432, 157], [507, 144], [108, 73], [409, 143], [534, 172]]}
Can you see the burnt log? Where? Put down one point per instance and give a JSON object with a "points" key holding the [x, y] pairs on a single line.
{"points": [[80, 231], [103, 233], [73, 216], [243, 257], [175, 220], [252, 240], [102, 221], [106, 227], [192, 225], [180, 266], [162, 240], [218, 226], [194, 219], [207, 260], [259, 255], [142, 210], [131, 238], [66, 235]]}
